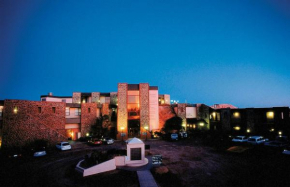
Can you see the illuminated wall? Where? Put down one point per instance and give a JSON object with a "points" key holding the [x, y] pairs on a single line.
{"points": [[95, 97], [144, 105], [153, 110], [166, 99], [76, 97], [122, 109]]}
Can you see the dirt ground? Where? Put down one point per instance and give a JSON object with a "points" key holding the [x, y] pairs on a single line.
{"points": [[191, 162]]}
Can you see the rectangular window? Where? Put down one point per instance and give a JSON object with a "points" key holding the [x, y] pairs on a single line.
{"points": [[53, 109], [39, 109], [77, 111], [282, 115], [133, 99], [67, 111], [1, 110], [89, 110]]}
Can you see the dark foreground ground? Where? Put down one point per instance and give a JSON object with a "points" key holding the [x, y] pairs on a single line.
{"points": [[192, 162]]}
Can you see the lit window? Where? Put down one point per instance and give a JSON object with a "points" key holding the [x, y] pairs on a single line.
{"points": [[77, 111], [282, 115], [236, 114], [15, 110], [67, 111], [1, 110], [270, 115]]}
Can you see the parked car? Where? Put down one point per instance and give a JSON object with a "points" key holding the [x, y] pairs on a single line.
{"points": [[183, 134], [39, 152], [240, 139], [95, 141], [174, 136], [280, 141], [107, 140], [286, 151], [257, 140], [63, 146]]}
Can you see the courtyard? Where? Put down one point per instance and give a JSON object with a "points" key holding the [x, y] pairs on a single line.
{"points": [[190, 162]]}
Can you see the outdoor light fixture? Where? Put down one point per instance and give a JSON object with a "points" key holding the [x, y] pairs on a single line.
{"points": [[280, 133], [236, 114], [248, 130], [201, 124], [87, 134], [237, 128], [272, 130], [15, 110]]}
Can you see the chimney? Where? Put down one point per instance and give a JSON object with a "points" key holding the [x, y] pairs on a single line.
{"points": [[50, 94]]}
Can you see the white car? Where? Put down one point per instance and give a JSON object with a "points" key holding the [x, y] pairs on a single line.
{"points": [[63, 146], [256, 140], [286, 151], [108, 140], [240, 139], [39, 152]]}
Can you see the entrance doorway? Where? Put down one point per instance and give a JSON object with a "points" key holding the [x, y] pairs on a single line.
{"points": [[134, 128]]}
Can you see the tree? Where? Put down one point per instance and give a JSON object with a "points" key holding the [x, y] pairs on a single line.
{"points": [[172, 124]]}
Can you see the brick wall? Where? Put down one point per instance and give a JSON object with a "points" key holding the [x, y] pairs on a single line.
{"points": [[144, 106], [33, 120], [122, 115], [76, 97], [88, 117]]}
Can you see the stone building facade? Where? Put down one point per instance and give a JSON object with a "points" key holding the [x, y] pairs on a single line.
{"points": [[26, 121]]}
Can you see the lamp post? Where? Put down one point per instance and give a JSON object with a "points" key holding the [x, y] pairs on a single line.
{"points": [[146, 128], [122, 128]]}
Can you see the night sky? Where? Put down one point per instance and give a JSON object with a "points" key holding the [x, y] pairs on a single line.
{"points": [[235, 52]]}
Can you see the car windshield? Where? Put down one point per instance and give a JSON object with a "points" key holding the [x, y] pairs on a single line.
{"points": [[65, 144], [251, 139], [238, 138]]}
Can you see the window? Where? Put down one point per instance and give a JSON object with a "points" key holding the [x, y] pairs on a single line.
{"points": [[270, 115], [43, 99], [77, 111], [53, 109], [1, 110], [63, 100], [67, 111], [89, 110], [282, 115], [15, 110], [39, 109]]}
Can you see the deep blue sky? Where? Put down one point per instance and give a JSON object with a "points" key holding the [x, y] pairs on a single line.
{"points": [[235, 52]]}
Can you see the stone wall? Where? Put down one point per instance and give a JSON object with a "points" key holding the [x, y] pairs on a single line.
{"points": [[105, 109], [95, 97], [122, 119], [88, 117], [144, 104], [33, 120], [76, 97]]}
